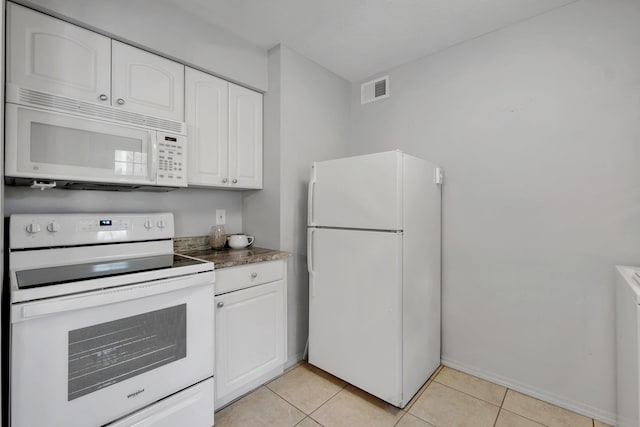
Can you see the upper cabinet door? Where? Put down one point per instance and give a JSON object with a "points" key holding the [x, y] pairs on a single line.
{"points": [[49, 55], [207, 117], [245, 137], [146, 83]]}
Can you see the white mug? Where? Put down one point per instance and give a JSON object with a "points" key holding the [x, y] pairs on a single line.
{"points": [[238, 241]]}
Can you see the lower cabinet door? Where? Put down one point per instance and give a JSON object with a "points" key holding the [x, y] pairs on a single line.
{"points": [[249, 336]]}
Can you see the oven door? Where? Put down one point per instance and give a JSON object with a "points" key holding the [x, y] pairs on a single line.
{"points": [[91, 359], [58, 146]]}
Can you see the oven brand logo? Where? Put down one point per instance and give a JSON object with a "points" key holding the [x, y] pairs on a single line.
{"points": [[135, 393]]}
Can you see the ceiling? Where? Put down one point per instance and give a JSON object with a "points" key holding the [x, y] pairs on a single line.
{"points": [[359, 38]]}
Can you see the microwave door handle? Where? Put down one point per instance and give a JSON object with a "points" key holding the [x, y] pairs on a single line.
{"points": [[153, 175]]}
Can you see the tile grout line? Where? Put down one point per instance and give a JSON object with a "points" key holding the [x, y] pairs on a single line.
{"points": [[472, 376], [418, 395], [399, 419], [292, 404], [324, 403], [289, 403], [343, 389], [300, 409], [321, 425], [423, 388], [501, 403], [497, 416], [504, 397], [522, 416], [544, 402], [465, 393]]}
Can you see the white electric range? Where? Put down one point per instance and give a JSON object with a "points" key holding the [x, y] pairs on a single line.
{"points": [[108, 325]]}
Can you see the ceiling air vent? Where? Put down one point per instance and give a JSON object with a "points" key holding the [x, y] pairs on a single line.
{"points": [[374, 90]]}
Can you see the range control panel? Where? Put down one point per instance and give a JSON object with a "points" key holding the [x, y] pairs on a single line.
{"points": [[90, 225], [172, 160], [48, 230]]}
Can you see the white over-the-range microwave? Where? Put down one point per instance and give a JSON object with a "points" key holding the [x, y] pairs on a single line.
{"points": [[77, 146]]}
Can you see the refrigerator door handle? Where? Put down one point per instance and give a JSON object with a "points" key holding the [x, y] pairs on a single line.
{"points": [[312, 288], [310, 250], [310, 194]]}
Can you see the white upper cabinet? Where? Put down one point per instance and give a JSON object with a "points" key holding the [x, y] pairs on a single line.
{"points": [[146, 83], [245, 137], [49, 55], [207, 117], [224, 123]]}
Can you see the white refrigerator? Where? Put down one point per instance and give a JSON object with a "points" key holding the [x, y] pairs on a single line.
{"points": [[374, 272]]}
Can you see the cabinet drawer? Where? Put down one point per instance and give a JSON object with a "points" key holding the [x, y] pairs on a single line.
{"points": [[234, 278]]}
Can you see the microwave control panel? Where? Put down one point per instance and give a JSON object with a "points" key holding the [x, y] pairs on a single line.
{"points": [[172, 160]]}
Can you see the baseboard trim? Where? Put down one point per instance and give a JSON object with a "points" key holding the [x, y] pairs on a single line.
{"points": [[572, 405]]}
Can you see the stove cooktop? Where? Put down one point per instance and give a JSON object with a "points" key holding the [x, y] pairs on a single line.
{"points": [[49, 276]]}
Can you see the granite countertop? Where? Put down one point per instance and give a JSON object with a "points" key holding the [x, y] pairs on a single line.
{"points": [[198, 247]]}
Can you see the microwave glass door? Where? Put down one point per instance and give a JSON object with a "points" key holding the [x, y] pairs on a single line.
{"points": [[58, 146]]}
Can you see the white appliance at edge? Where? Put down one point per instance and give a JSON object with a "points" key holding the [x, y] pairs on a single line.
{"points": [[628, 346], [374, 272]]}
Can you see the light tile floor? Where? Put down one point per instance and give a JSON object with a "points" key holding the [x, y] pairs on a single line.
{"points": [[305, 396]]}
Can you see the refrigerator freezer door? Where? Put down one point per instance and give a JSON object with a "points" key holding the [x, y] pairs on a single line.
{"points": [[355, 308], [362, 192]]}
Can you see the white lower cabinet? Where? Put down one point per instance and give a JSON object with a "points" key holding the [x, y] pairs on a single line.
{"points": [[250, 321]]}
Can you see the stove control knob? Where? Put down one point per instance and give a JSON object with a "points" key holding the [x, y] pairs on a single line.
{"points": [[53, 227], [33, 228], [161, 224], [148, 224]]}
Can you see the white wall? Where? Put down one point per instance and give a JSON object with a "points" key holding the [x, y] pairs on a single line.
{"points": [[537, 127], [194, 209], [261, 209], [307, 118], [159, 27], [315, 125]]}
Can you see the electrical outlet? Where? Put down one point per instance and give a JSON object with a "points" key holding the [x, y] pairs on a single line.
{"points": [[221, 216]]}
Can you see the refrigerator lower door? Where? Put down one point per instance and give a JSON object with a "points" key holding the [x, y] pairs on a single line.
{"points": [[355, 308]]}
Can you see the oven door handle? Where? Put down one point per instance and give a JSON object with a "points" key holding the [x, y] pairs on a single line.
{"points": [[31, 310]]}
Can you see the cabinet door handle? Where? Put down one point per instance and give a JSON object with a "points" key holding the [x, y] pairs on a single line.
{"points": [[120, 101], [254, 275], [225, 180], [220, 304], [103, 97], [235, 181]]}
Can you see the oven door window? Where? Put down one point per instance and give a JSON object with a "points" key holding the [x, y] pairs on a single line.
{"points": [[107, 353]]}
